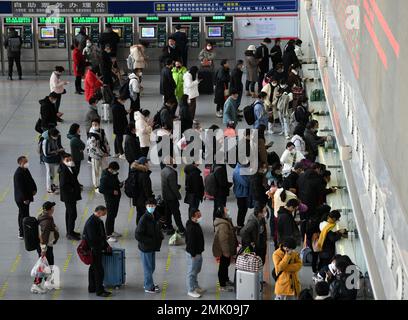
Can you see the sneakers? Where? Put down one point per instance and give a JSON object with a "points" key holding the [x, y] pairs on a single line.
{"points": [[287, 137], [104, 294], [97, 191], [20, 237], [200, 290], [218, 114], [73, 237], [35, 288], [49, 285], [194, 294], [226, 289], [122, 156], [229, 284], [155, 289], [116, 235], [112, 239]]}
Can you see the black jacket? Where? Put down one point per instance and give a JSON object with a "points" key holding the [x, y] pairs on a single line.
{"points": [[221, 178], [302, 115], [70, 190], [132, 148], [194, 184], [48, 114], [24, 185], [13, 41], [167, 83], [120, 121], [289, 58], [236, 80], [222, 79], [250, 232], [329, 245], [286, 225], [170, 53], [258, 188], [166, 117], [194, 238], [148, 234], [109, 183], [181, 40], [310, 189], [106, 68], [312, 141], [185, 117], [110, 38], [144, 185], [277, 57], [262, 52], [339, 291], [94, 233], [290, 182]]}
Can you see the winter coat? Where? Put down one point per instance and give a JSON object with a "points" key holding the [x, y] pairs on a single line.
{"points": [[95, 235], [169, 184], [262, 55], [97, 144], [310, 188], [81, 38], [206, 55], [222, 79], [70, 189], [50, 149], [90, 116], [92, 84], [111, 38], [241, 183], [143, 129], [299, 144], [139, 57], [110, 183], [313, 141], [288, 266], [78, 60], [144, 184], [132, 148], [134, 86], [77, 147], [258, 188], [261, 117], [289, 58], [167, 83], [181, 40], [302, 115], [166, 117], [194, 184], [277, 201], [106, 67], [287, 227], [225, 241], [270, 91], [290, 182], [178, 75], [9, 43], [120, 121], [221, 178], [194, 238], [49, 234], [190, 87], [339, 290], [289, 160], [48, 114], [250, 232], [236, 80], [251, 66], [284, 104], [148, 234], [276, 55], [56, 84], [329, 245], [24, 185], [262, 151], [170, 53], [294, 80], [230, 111], [185, 117]]}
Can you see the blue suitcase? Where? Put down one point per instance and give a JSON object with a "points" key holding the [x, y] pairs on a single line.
{"points": [[114, 268]]}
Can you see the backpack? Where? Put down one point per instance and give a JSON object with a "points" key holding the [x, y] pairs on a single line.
{"points": [[30, 232], [14, 44], [249, 114], [274, 275], [130, 62], [84, 252], [210, 184], [131, 184], [157, 123], [124, 90]]}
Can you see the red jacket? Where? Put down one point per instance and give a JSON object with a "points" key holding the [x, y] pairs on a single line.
{"points": [[78, 60], [92, 84]]}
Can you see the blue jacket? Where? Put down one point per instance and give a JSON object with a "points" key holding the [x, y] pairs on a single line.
{"points": [[230, 111], [261, 117], [241, 183]]}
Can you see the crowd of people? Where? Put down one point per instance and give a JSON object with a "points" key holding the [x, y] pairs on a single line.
{"points": [[290, 191]]}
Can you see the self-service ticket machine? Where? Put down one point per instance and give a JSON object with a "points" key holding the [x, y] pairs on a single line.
{"points": [[153, 32], [91, 24], [220, 31], [191, 27], [124, 27], [25, 28], [52, 47]]}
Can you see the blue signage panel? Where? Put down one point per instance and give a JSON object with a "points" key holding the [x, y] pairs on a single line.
{"points": [[5, 7]]}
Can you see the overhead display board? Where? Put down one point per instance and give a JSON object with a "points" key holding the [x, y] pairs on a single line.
{"points": [[59, 7]]}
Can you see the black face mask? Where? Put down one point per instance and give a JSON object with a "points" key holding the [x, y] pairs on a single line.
{"points": [[174, 166]]}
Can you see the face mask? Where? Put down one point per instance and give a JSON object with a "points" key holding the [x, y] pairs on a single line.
{"points": [[70, 164], [283, 86], [55, 138], [26, 165], [332, 268], [304, 104], [95, 128], [274, 84], [178, 67], [115, 173], [200, 220], [150, 209], [209, 48], [172, 46], [88, 44], [294, 72], [140, 74], [174, 166]]}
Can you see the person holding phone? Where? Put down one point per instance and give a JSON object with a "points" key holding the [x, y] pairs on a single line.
{"points": [[190, 88]]}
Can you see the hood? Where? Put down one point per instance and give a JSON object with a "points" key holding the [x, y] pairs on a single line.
{"points": [[70, 136], [139, 116], [139, 167], [219, 221], [190, 168], [43, 217], [132, 76]]}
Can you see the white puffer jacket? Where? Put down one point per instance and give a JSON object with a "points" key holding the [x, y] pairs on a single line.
{"points": [[143, 129], [190, 87]]}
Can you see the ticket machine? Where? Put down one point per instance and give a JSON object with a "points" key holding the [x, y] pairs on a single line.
{"points": [[124, 27], [191, 27], [220, 31], [91, 24], [152, 31], [25, 28], [52, 47]]}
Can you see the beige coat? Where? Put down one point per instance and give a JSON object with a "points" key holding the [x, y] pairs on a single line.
{"points": [[252, 68], [143, 129], [139, 57], [225, 240]]}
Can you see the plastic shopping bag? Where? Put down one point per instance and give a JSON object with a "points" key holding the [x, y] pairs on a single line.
{"points": [[41, 268], [176, 240]]}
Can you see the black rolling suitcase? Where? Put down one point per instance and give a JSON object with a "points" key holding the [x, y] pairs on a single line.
{"points": [[30, 232], [206, 86]]}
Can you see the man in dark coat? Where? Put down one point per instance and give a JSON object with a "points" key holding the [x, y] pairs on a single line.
{"points": [[262, 55], [194, 186], [13, 44], [24, 191], [70, 193], [222, 80], [109, 38], [95, 236], [171, 52], [106, 67], [167, 83], [48, 112], [287, 227], [120, 123], [258, 187], [276, 53], [181, 43], [222, 187], [236, 80], [132, 145], [289, 58]]}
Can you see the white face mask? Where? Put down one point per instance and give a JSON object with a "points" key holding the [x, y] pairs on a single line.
{"points": [[200, 220], [26, 165], [332, 268], [209, 48], [70, 164], [295, 72], [88, 44], [95, 128]]}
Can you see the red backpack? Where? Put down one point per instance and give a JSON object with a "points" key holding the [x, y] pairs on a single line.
{"points": [[84, 252]]}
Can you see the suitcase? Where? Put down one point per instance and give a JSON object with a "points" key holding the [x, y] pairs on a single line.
{"points": [[105, 112], [206, 86], [30, 232], [248, 285], [114, 268]]}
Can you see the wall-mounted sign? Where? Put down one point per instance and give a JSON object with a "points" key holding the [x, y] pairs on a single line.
{"points": [[51, 20], [17, 20], [68, 7], [119, 19], [81, 20]]}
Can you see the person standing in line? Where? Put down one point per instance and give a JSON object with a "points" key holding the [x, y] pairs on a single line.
{"points": [[70, 191], [252, 71], [49, 235], [236, 81], [81, 38], [51, 150], [231, 105], [181, 42], [48, 112], [135, 88], [194, 250], [178, 73], [222, 187], [110, 188], [106, 67], [241, 192], [78, 66], [143, 130], [139, 57], [262, 56], [261, 116], [170, 52], [222, 80], [132, 145], [190, 88], [149, 237], [286, 225], [276, 53], [24, 191], [120, 123], [77, 146], [57, 86], [92, 113], [13, 44], [95, 236], [93, 83], [224, 246], [110, 39], [167, 83], [194, 186], [186, 121]]}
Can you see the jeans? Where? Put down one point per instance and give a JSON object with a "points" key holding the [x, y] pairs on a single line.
{"points": [[173, 209], [11, 64], [96, 274], [285, 124], [23, 211], [242, 204], [250, 86], [193, 269], [50, 173], [149, 264], [70, 216], [223, 271], [112, 206], [119, 144]]}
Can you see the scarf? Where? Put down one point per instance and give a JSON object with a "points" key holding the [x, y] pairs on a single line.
{"points": [[322, 237]]}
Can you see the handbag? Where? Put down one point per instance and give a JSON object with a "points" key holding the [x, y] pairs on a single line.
{"points": [[38, 127], [84, 252], [249, 262], [176, 240], [274, 275]]}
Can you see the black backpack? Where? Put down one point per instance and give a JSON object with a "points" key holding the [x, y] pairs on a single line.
{"points": [[249, 114], [131, 184], [157, 123], [30, 232], [124, 90]]}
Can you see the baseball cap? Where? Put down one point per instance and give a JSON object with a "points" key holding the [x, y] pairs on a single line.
{"points": [[48, 205]]}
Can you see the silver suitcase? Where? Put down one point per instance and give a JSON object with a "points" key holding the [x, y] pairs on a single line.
{"points": [[105, 112], [249, 285]]}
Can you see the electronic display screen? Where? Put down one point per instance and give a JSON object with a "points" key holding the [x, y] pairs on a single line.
{"points": [[118, 30], [77, 29], [148, 32], [47, 33], [214, 31]]}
